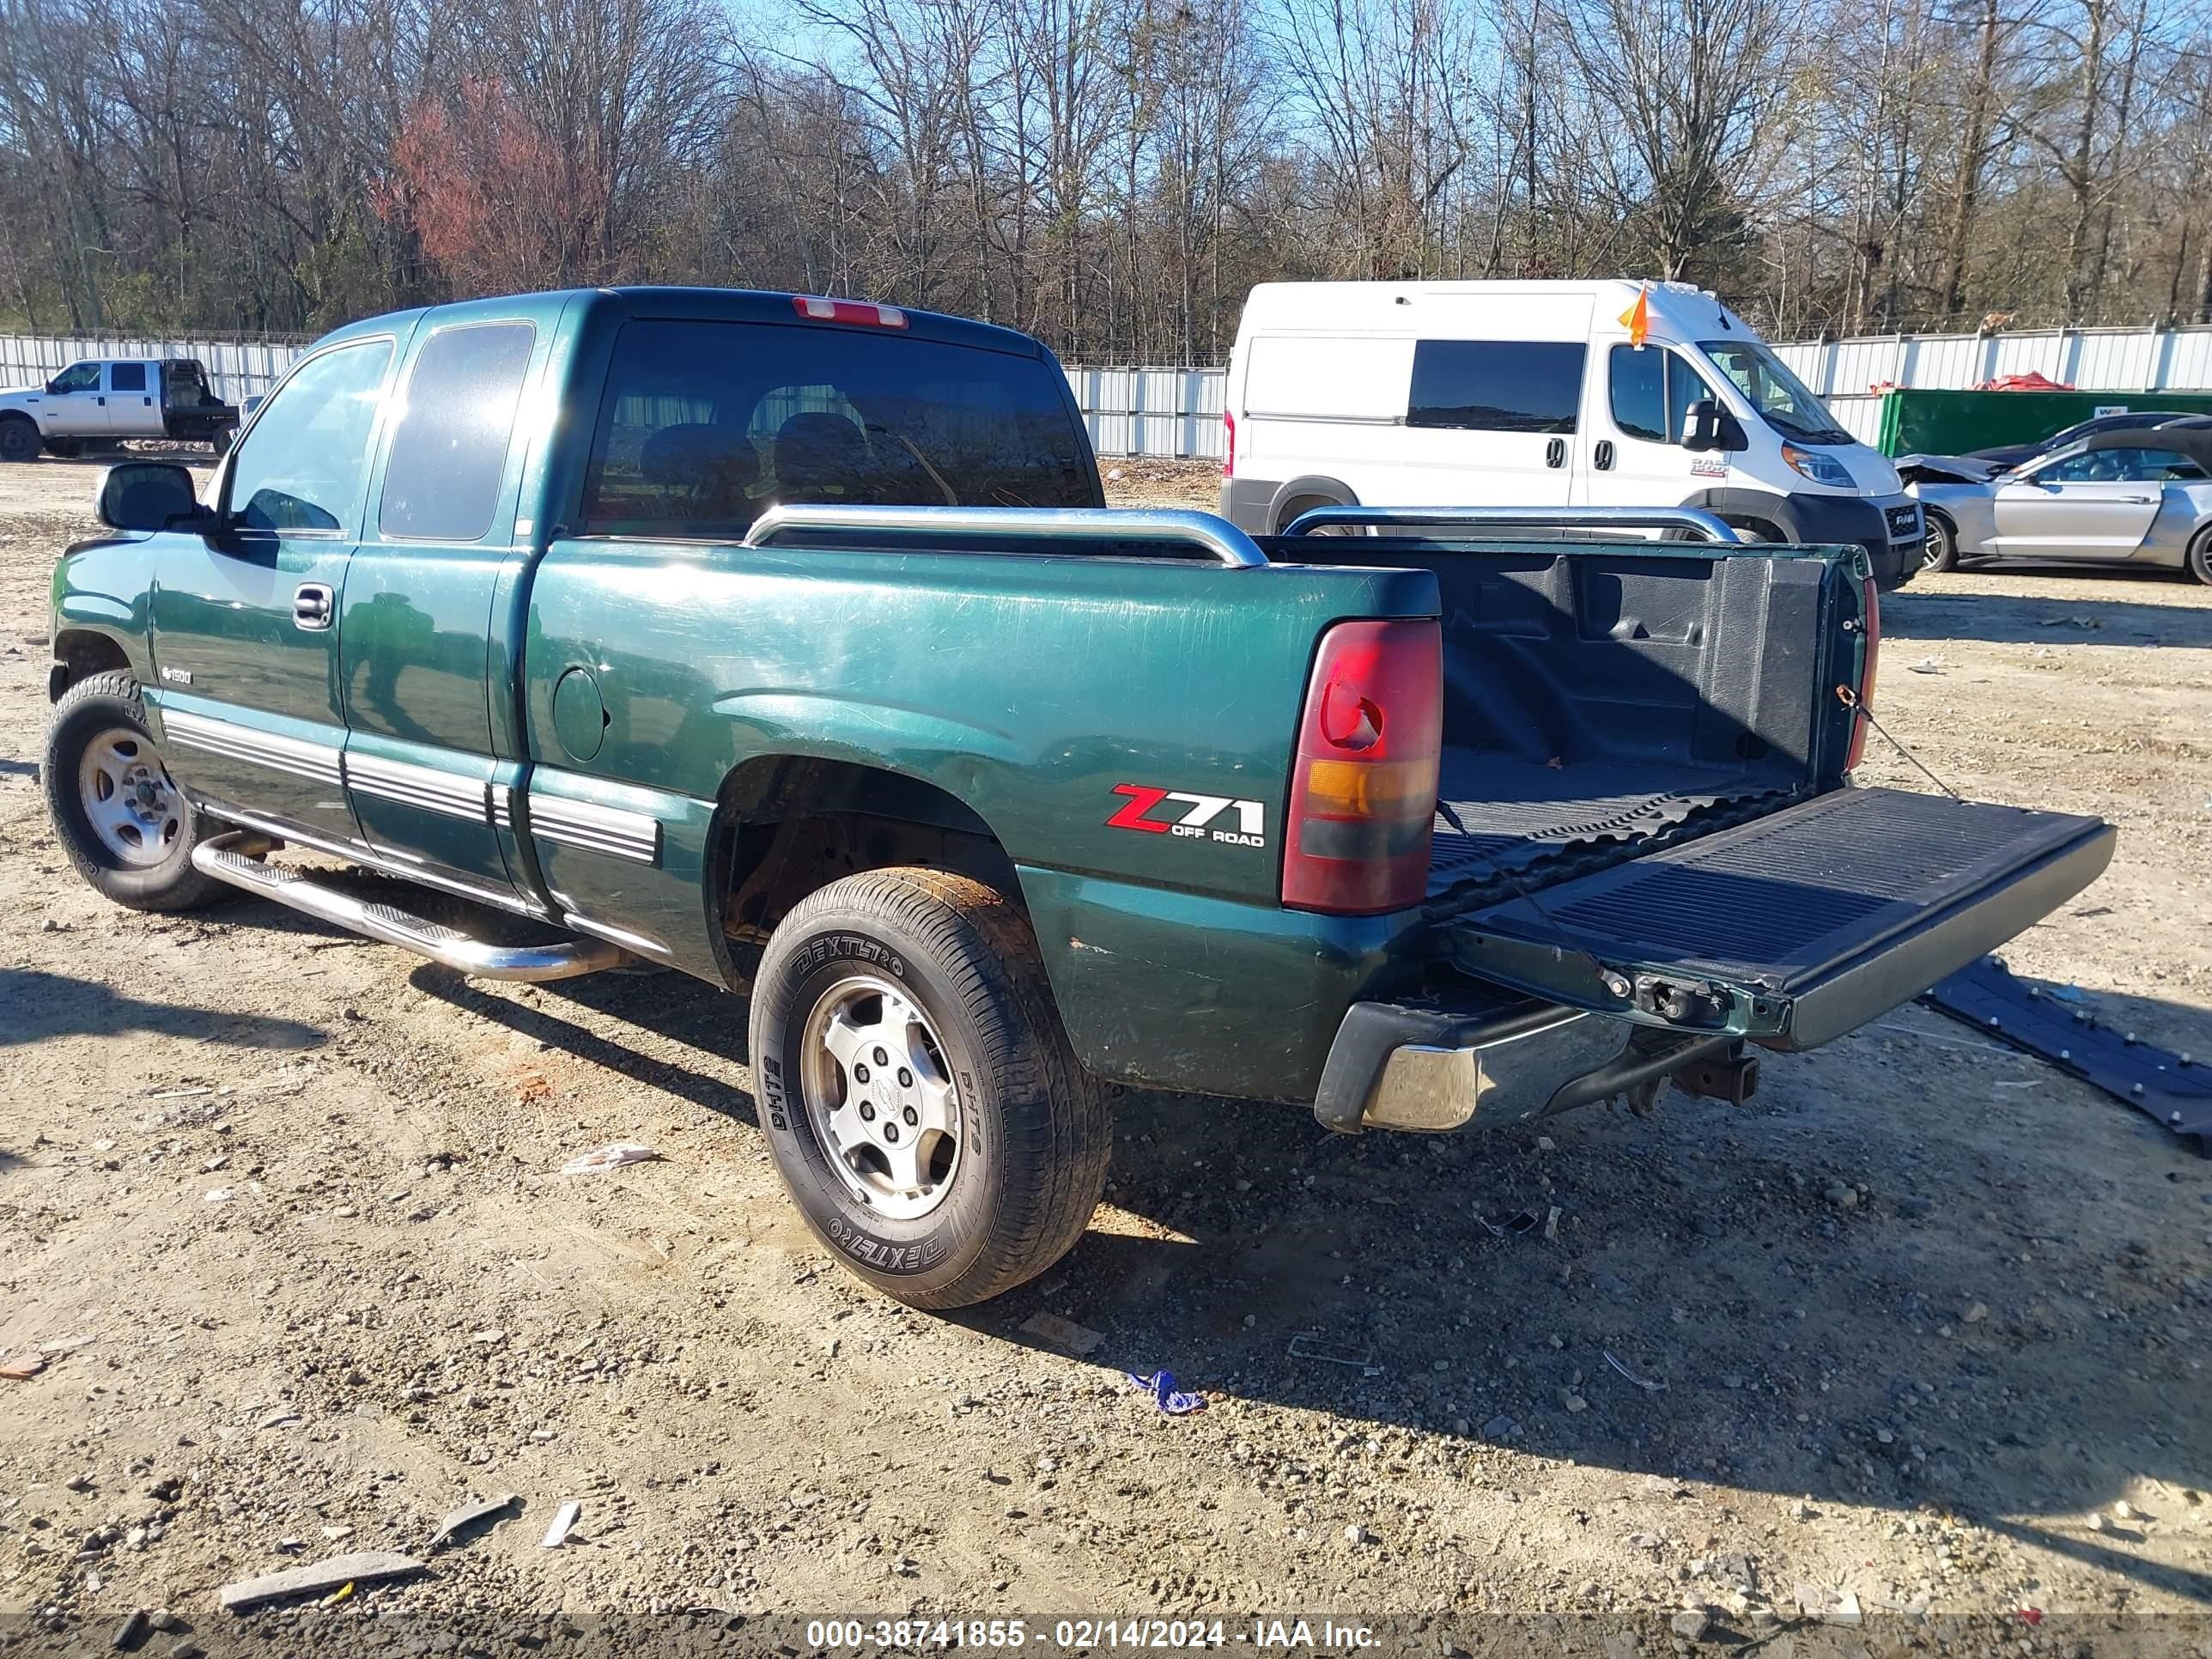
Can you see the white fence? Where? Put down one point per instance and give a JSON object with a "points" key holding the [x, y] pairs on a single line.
{"points": [[239, 369], [1176, 412], [2132, 360]]}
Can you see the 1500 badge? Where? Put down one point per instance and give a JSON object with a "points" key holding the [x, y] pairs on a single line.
{"points": [[1194, 816]]}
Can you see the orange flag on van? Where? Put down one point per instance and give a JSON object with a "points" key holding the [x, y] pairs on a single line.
{"points": [[1637, 318]]}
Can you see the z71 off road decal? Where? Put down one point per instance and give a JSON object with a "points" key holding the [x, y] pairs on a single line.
{"points": [[1197, 814]]}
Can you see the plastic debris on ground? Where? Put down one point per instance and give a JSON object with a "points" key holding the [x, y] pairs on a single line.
{"points": [[612, 1156], [2055, 1023], [563, 1519], [1926, 665], [1312, 1345], [1078, 1340], [468, 1514], [1161, 1385], [1648, 1386], [340, 1573], [1525, 1221]]}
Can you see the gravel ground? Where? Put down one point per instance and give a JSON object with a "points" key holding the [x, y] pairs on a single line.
{"points": [[1923, 1324]]}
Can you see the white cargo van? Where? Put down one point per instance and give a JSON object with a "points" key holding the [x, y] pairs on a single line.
{"points": [[1533, 394]]}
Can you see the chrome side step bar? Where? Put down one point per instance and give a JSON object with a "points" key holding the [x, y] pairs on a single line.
{"points": [[222, 859]]}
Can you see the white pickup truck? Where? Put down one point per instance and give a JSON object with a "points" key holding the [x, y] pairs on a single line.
{"points": [[108, 400]]}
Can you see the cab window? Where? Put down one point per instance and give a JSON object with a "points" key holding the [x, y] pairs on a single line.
{"points": [[126, 377], [301, 467], [77, 377], [449, 449], [1651, 391], [706, 424]]}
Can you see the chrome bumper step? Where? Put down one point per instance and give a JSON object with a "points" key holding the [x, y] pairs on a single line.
{"points": [[388, 924]]}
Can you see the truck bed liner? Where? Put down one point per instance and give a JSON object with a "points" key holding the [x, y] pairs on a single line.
{"points": [[1499, 813], [1797, 898]]}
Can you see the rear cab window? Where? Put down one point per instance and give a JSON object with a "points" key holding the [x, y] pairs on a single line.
{"points": [[455, 423], [704, 425], [1497, 386], [126, 377]]}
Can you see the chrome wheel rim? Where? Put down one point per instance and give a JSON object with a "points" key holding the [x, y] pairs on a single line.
{"points": [[134, 810], [880, 1097]]}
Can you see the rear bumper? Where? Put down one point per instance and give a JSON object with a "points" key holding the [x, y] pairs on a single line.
{"points": [[1428, 1068]]}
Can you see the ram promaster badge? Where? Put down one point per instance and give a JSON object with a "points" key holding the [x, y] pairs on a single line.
{"points": [[786, 642]]}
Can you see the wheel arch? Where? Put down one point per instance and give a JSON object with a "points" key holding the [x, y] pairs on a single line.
{"points": [[1321, 489], [785, 825], [81, 652]]}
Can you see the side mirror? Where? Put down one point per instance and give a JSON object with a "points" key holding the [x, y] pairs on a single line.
{"points": [[147, 496], [1701, 425]]}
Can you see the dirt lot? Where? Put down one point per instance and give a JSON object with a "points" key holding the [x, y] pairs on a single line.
{"points": [[285, 1208]]}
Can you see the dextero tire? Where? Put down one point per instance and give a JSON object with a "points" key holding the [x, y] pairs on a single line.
{"points": [[1942, 552], [917, 1091], [19, 439], [128, 829]]}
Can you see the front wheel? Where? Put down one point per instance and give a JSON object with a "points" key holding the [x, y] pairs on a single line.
{"points": [[19, 439], [917, 1091], [1942, 549], [2200, 557], [125, 826]]}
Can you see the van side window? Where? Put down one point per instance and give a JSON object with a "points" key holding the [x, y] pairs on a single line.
{"points": [[126, 377], [1496, 385], [449, 453], [1651, 391]]}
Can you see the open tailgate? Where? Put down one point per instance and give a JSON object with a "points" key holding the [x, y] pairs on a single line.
{"points": [[1795, 928]]}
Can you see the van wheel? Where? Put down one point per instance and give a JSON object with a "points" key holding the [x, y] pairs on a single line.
{"points": [[1303, 504], [917, 1091], [129, 830], [1942, 552], [19, 439]]}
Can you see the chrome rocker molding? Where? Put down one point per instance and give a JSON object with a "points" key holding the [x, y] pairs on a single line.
{"points": [[319, 762], [595, 829], [223, 860]]}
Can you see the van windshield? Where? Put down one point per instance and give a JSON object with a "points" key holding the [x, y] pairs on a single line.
{"points": [[1785, 402]]}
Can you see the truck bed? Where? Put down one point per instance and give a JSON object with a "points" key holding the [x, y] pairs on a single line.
{"points": [[1602, 699]]}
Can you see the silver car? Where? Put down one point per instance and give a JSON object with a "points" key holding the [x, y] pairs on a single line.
{"points": [[2139, 497]]}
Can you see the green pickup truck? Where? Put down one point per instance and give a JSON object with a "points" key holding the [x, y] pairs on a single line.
{"points": [[787, 642]]}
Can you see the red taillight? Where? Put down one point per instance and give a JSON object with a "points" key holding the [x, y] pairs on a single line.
{"points": [[1866, 676], [847, 311], [1228, 445], [1364, 791]]}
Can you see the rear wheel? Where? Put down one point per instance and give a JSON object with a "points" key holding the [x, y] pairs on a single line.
{"points": [[2200, 557], [917, 1091], [1303, 504], [125, 826], [19, 439], [66, 448], [1942, 549]]}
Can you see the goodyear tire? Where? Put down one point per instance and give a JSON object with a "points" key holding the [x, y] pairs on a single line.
{"points": [[128, 829], [917, 1091]]}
